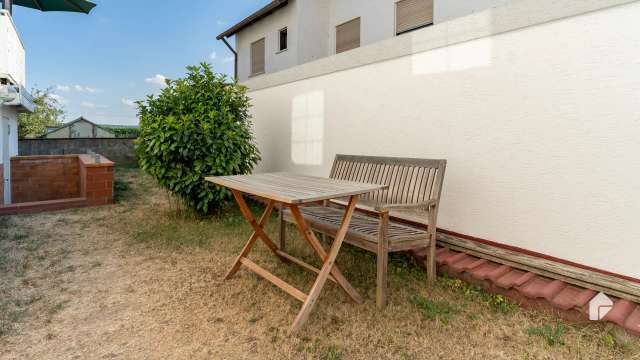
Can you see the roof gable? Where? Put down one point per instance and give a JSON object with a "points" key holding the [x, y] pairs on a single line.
{"points": [[78, 120]]}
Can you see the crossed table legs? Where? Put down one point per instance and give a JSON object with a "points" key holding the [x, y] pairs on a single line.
{"points": [[328, 270]]}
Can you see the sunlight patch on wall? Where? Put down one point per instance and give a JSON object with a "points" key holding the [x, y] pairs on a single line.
{"points": [[460, 57], [307, 128]]}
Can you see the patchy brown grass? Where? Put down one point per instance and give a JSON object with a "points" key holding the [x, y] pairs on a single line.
{"points": [[137, 280]]}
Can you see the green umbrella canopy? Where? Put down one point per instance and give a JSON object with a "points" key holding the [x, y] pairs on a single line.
{"points": [[82, 6]]}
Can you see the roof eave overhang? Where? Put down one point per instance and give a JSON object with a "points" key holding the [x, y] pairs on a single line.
{"points": [[251, 19]]}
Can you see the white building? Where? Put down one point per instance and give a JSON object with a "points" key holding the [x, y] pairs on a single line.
{"points": [[13, 96], [286, 33], [79, 128]]}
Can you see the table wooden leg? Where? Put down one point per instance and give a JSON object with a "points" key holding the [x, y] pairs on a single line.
{"points": [[258, 232], [327, 267], [311, 238]]}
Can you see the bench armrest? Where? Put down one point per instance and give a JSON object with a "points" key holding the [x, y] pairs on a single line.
{"points": [[420, 205]]}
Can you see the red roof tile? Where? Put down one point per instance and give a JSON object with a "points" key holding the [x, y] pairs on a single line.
{"points": [[557, 294], [633, 322], [620, 312]]}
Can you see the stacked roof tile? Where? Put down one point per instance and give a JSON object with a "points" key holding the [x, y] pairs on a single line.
{"points": [[524, 286]]}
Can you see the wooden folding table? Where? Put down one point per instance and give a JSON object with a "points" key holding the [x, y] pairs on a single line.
{"points": [[294, 190]]}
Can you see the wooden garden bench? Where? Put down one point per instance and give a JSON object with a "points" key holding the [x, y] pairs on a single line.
{"points": [[383, 220]]}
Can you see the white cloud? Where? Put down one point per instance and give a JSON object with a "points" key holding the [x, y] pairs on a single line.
{"points": [[92, 90], [91, 105], [60, 99], [64, 88], [227, 59], [221, 22], [129, 103], [213, 55], [80, 88], [157, 79]]}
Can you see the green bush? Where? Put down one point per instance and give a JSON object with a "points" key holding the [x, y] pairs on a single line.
{"points": [[198, 126]]}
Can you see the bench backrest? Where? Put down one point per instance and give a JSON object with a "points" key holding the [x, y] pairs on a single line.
{"points": [[410, 180]]}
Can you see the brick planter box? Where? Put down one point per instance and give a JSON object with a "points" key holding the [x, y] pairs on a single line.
{"points": [[42, 183]]}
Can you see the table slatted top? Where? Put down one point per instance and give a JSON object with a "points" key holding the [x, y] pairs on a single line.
{"points": [[293, 188]]}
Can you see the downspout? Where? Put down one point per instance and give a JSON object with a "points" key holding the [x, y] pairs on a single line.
{"points": [[8, 5], [235, 58]]}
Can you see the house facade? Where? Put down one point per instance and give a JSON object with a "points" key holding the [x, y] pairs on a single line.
{"points": [[286, 33], [13, 97], [79, 128]]}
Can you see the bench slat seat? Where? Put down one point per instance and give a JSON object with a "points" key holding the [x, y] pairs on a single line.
{"points": [[363, 230], [382, 222]]}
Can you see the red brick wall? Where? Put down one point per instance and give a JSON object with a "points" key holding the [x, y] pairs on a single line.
{"points": [[47, 183], [42, 178], [97, 180]]}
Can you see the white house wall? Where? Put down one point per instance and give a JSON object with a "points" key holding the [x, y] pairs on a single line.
{"points": [[80, 129], [269, 28], [102, 133], [377, 19], [62, 133], [12, 55], [539, 125], [9, 115], [312, 25], [312, 35], [444, 10]]}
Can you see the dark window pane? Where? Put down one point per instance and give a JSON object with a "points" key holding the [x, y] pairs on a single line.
{"points": [[283, 39]]}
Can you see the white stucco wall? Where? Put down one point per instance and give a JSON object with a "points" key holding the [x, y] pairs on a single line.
{"points": [[444, 10], [377, 19], [102, 133], [312, 25], [80, 129], [62, 133], [312, 36], [12, 55], [539, 126], [269, 28], [10, 116]]}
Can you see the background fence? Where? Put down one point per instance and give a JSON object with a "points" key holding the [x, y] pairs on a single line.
{"points": [[120, 151]]}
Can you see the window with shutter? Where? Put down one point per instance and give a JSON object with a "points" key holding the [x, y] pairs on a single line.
{"points": [[413, 14], [257, 57], [348, 35]]}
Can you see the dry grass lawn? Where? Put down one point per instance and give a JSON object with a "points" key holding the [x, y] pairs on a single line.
{"points": [[137, 281]]}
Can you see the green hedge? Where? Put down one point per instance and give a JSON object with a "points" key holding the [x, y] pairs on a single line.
{"points": [[198, 126]]}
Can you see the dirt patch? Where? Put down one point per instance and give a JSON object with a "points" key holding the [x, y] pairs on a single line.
{"points": [[135, 280]]}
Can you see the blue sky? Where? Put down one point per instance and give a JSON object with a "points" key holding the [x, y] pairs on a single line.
{"points": [[98, 63]]}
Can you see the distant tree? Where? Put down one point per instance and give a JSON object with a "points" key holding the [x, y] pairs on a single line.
{"points": [[125, 132], [48, 113]]}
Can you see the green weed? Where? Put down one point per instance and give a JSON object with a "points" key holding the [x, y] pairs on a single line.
{"points": [[552, 335], [120, 190], [332, 353], [434, 310], [497, 303]]}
